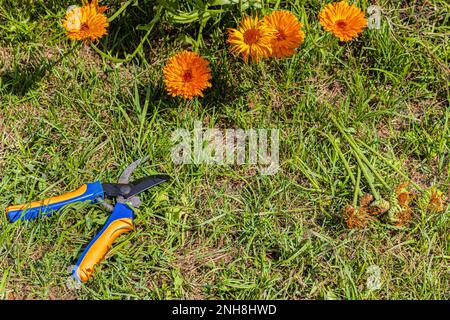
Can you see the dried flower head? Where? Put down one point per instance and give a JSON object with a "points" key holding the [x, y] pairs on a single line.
{"points": [[400, 212], [433, 199], [356, 218], [437, 200], [379, 207], [404, 195]]}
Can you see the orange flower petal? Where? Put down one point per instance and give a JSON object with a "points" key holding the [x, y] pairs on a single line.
{"points": [[288, 34], [252, 39], [187, 74], [87, 22], [343, 20]]}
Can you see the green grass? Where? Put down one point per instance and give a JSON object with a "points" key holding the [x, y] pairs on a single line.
{"points": [[225, 231]]}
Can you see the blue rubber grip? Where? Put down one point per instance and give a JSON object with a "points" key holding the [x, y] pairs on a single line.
{"points": [[47, 207], [120, 221]]}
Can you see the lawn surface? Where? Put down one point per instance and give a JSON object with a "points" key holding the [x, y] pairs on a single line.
{"points": [[69, 116]]}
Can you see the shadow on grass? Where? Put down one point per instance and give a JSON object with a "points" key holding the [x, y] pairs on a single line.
{"points": [[26, 75], [223, 92], [19, 80], [126, 32]]}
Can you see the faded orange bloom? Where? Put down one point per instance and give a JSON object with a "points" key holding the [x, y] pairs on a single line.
{"points": [[356, 218], [437, 200], [404, 195], [400, 212]]}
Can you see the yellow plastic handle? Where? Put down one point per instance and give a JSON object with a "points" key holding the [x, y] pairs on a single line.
{"points": [[99, 246], [87, 192], [49, 201]]}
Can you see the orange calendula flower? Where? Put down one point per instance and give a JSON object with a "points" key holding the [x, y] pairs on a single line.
{"points": [[343, 20], [252, 38], [289, 34], [87, 22], [187, 74]]}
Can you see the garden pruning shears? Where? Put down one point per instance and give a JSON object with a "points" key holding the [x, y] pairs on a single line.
{"points": [[120, 220]]}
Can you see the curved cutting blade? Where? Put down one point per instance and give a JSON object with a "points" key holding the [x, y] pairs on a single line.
{"points": [[126, 191], [145, 183]]}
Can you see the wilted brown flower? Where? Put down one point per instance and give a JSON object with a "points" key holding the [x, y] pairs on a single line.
{"points": [[378, 207], [356, 218], [433, 199], [404, 195], [400, 211], [368, 210], [365, 200]]}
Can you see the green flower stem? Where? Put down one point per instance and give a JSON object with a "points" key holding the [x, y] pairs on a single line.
{"points": [[341, 155], [357, 189], [118, 12], [367, 162], [369, 177], [356, 149], [149, 28], [200, 31], [128, 58], [405, 176], [344, 161]]}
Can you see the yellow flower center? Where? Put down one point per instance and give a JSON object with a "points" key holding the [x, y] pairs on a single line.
{"points": [[187, 76], [341, 24], [251, 36]]}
